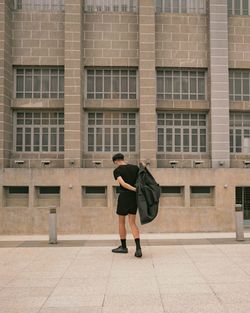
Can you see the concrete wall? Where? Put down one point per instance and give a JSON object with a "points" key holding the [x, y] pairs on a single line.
{"points": [[77, 214], [5, 83], [144, 40], [239, 58], [181, 40]]}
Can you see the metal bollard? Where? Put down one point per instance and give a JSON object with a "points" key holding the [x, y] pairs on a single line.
{"points": [[239, 222], [52, 225]]}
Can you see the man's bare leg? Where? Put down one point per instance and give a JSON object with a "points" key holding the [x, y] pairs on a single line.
{"points": [[133, 226], [123, 233], [136, 234], [122, 227]]}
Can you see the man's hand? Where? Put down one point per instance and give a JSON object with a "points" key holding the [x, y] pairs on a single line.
{"points": [[142, 163]]}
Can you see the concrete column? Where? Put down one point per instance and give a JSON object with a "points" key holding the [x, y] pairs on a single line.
{"points": [[73, 83], [5, 82], [219, 82], [147, 81]]}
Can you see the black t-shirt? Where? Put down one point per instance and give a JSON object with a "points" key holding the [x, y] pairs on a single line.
{"points": [[128, 172]]}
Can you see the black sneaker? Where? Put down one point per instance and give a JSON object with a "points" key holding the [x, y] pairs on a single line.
{"points": [[138, 253], [120, 249]]}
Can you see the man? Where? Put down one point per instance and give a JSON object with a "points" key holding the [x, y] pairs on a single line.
{"points": [[126, 175]]}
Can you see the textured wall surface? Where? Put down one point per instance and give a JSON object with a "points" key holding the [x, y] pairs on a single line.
{"points": [[144, 40]]}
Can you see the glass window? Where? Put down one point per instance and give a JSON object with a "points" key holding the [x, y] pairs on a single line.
{"points": [[171, 189], [181, 6], [239, 85], [39, 5], [238, 7], [39, 83], [111, 5], [111, 131], [239, 132], [39, 131], [111, 84], [18, 190], [188, 133], [48, 190], [95, 190], [201, 189], [181, 84]]}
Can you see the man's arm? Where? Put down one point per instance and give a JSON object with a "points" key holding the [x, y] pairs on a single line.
{"points": [[125, 185]]}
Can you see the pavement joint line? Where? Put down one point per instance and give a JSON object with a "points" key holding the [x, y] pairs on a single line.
{"points": [[205, 279], [236, 264], [59, 280], [19, 269], [111, 242], [107, 283], [157, 281]]}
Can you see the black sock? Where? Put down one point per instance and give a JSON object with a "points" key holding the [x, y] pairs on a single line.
{"points": [[137, 242], [123, 241]]}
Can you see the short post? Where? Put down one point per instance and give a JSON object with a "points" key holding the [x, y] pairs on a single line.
{"points": [[52, 225], [239, 222]]}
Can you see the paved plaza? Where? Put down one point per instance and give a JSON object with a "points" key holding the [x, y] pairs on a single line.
{"points": [[178, 273]]}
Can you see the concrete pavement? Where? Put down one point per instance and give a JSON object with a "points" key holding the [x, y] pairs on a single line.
{"points": [[178, 273]]}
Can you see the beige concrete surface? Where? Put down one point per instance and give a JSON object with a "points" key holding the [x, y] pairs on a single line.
{"points": [[173, 278]]}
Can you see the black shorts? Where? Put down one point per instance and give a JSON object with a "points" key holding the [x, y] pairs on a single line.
{"points": [[126, 203]]}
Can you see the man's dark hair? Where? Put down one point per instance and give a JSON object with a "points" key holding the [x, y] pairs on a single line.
{"points": [[118, 156]]}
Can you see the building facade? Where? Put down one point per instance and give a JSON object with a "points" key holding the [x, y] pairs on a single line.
{"points": [[164, 81]]}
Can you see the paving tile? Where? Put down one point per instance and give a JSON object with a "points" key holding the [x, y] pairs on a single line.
{"points": [[80, 287], [241, 307], [194, 303], [33, 282], [232, 292], [20, 310], [85, 309], [190, 276], [132, 300], [131, 285], [16, 292], [199, 308], [19, 302], [133, 308], [95, 300], [187, 288]]}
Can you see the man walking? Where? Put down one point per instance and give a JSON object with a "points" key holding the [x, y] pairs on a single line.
{"points": [[126, 175]]}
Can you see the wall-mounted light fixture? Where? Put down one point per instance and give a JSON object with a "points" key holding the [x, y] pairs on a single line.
{"points": [[246, 163], [72, 162], [197, 162], [45, 162], [97, 163], [19, 162], [173, 163]]}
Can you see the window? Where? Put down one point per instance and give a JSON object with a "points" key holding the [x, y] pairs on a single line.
{"points": [[39, 83], [95, 190], [181, 84], [239, 85], [20, 190], [240, 132], [117, 189], [49, 190], [201, 189], [111, 6], [182, 132], [111, 83], [181, 6], [111, 131], [238, 7], [39, 5], [39, 131], [171, 189]]}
